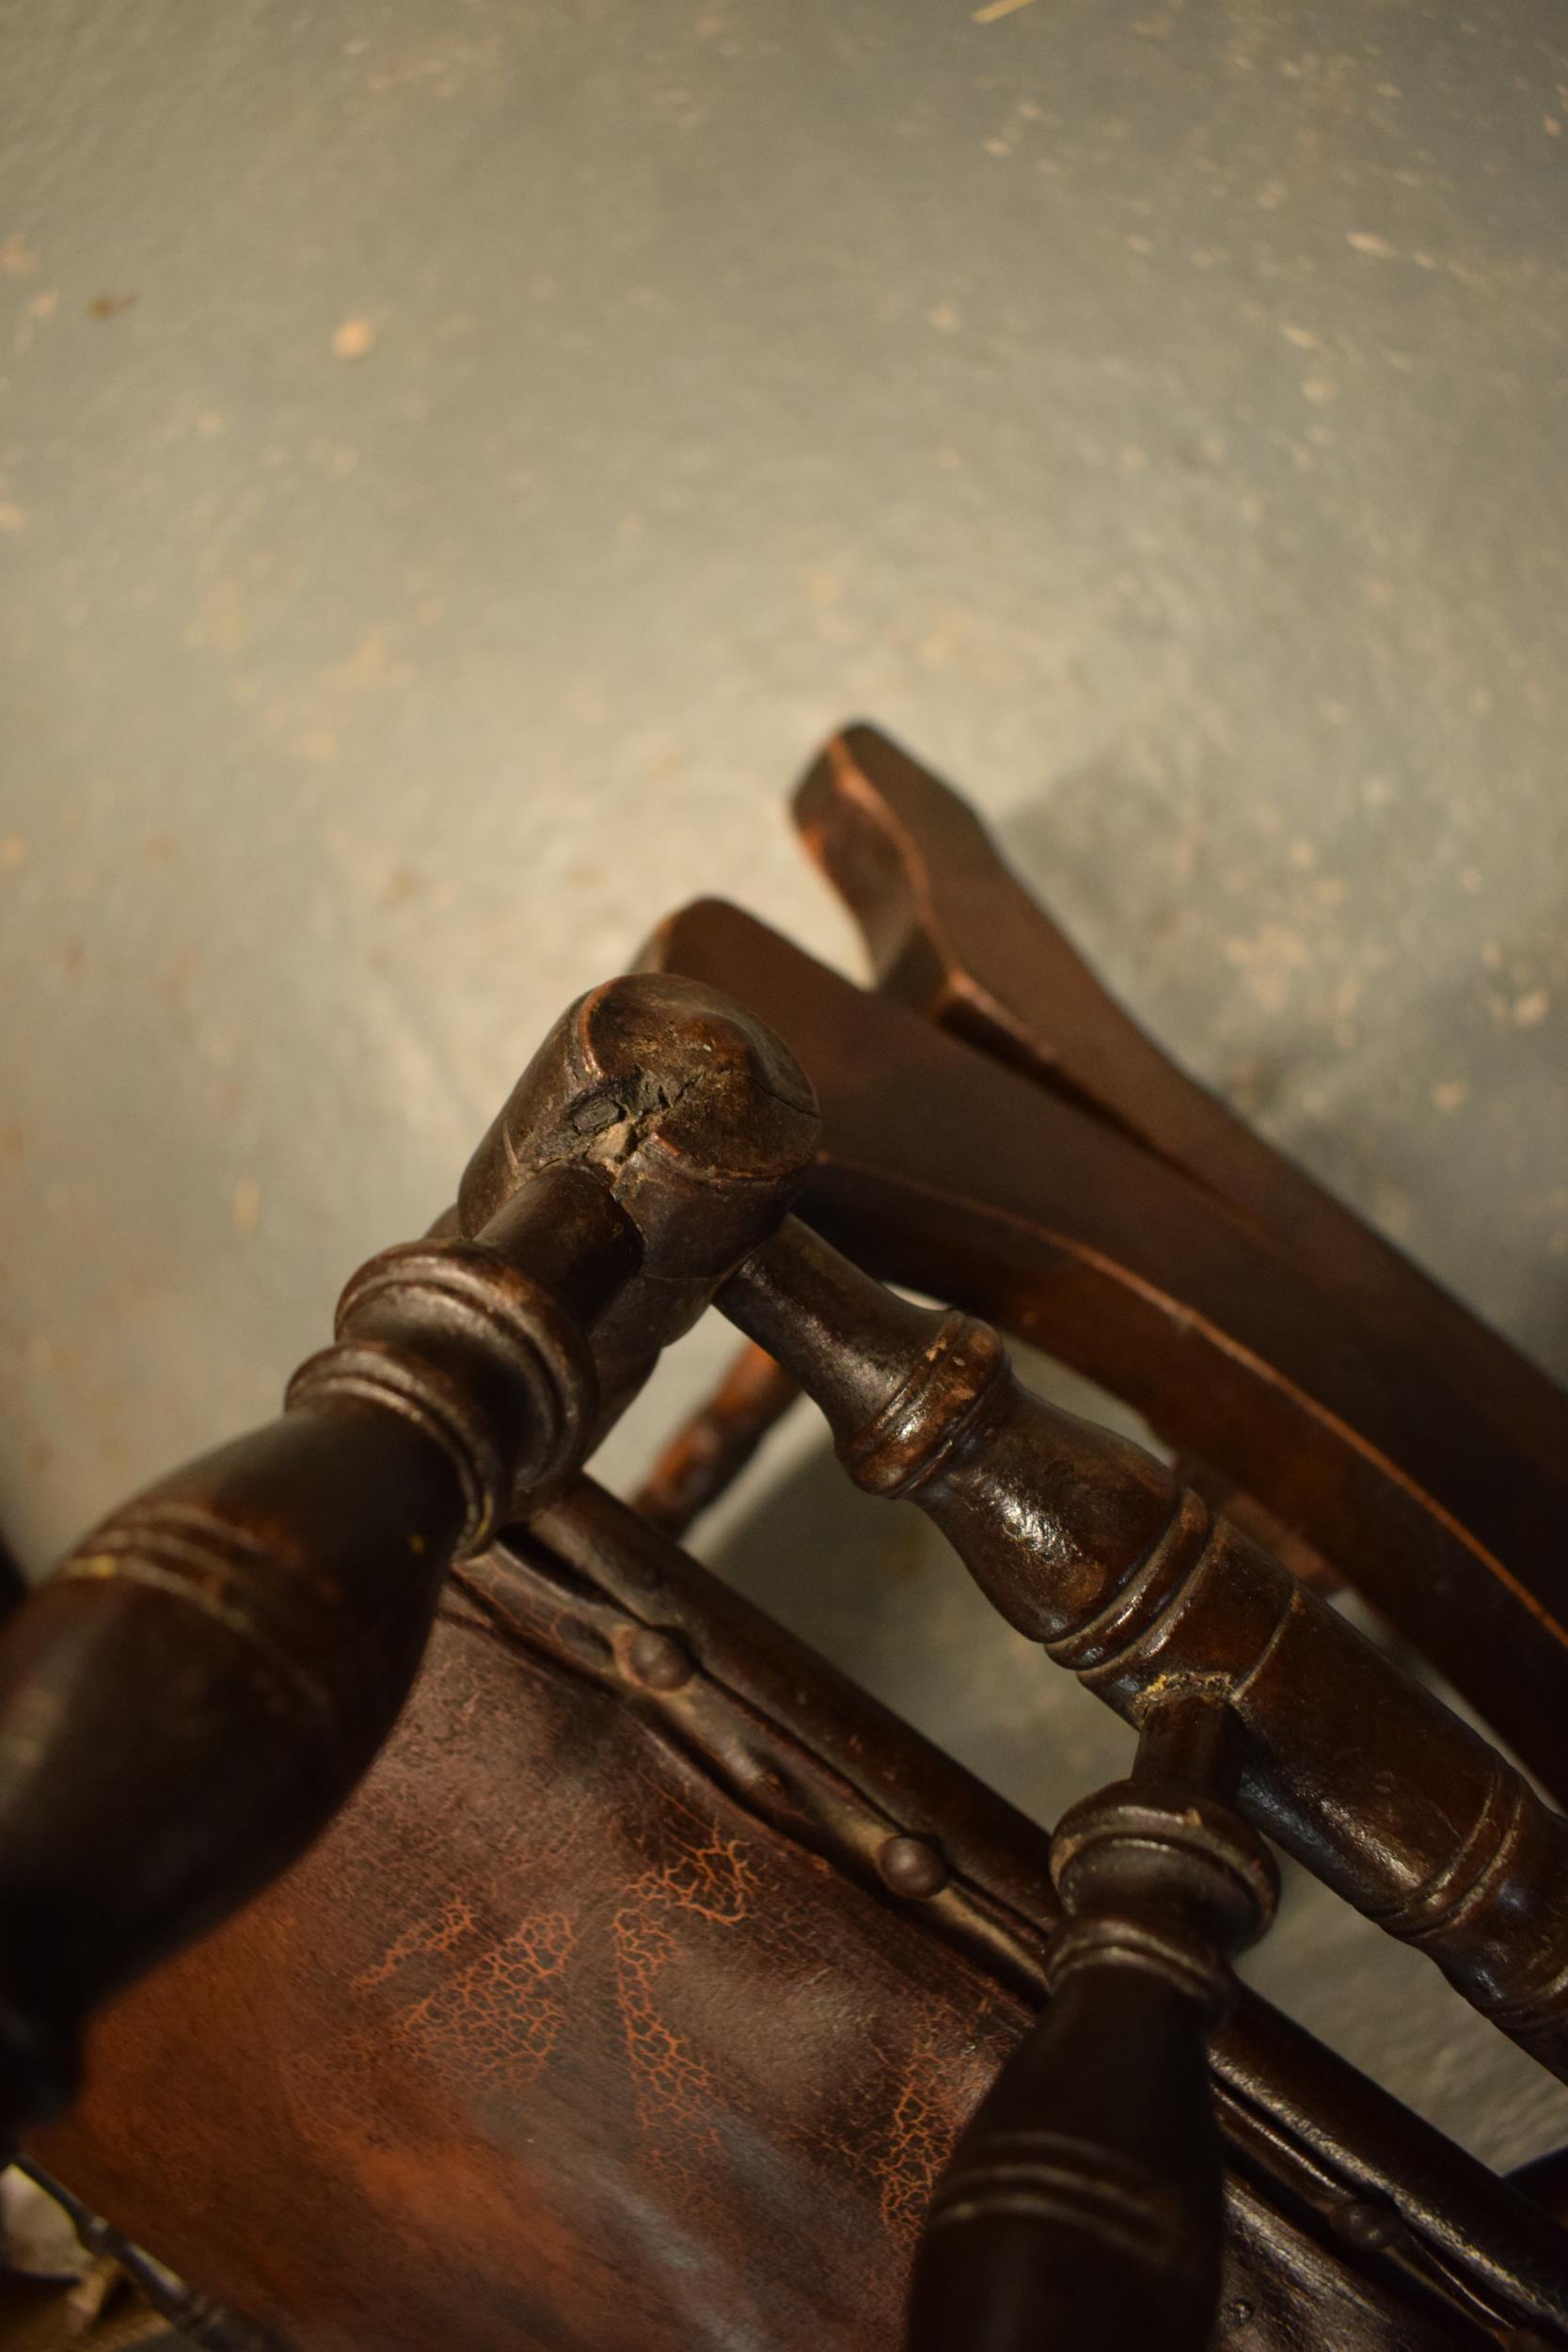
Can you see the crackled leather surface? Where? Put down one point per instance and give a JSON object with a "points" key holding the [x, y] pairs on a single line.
{"points": [[607, 2067], [590, 2023]]}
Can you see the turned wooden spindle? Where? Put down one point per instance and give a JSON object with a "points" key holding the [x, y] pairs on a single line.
{"points": [[1082, 2204], [197, 1689], [1088, 1545], [709, 1451]]}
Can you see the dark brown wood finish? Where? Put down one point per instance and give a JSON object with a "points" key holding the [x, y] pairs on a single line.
{"points": [[192, 1696], [953, 933], [596, 2023], [649, 1982], [943, 1172], [696, 1116], [13, 1585], [1087, 1544], [709, 1452], [197, 1689], [1084, 2202]]}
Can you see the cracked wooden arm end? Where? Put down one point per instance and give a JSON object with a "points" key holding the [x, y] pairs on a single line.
{"points": [[194, 1693]]}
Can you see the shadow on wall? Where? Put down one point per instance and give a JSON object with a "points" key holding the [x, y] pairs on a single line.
{"points": [[876, 1589], [1378, 1008]]}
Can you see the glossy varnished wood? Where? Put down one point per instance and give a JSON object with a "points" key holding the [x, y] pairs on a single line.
{"points": [[1083, 2204], [943, 1171], [656, 1989], [595, 2020], [199, 1687], [1089, 1545]]}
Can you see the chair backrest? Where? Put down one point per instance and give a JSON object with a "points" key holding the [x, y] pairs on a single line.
{"points": [[655, 1986]]}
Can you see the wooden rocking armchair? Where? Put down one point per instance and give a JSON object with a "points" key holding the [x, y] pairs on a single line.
{"points": [[433, 1910]]}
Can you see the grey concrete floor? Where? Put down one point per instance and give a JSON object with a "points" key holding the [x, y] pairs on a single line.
{"points": [[456, 460]]}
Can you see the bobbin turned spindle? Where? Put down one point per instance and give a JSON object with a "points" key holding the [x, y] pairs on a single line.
{"points": [[1088, 1545], [199, 1687], [1083, 2206]]}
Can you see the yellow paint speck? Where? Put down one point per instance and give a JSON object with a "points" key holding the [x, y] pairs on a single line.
{"points": [[354, 339], [995, 8], [1449, 1094], [1531, 1008], [13, 851], [248, 1205], [1365, 242], [945, 316]]}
